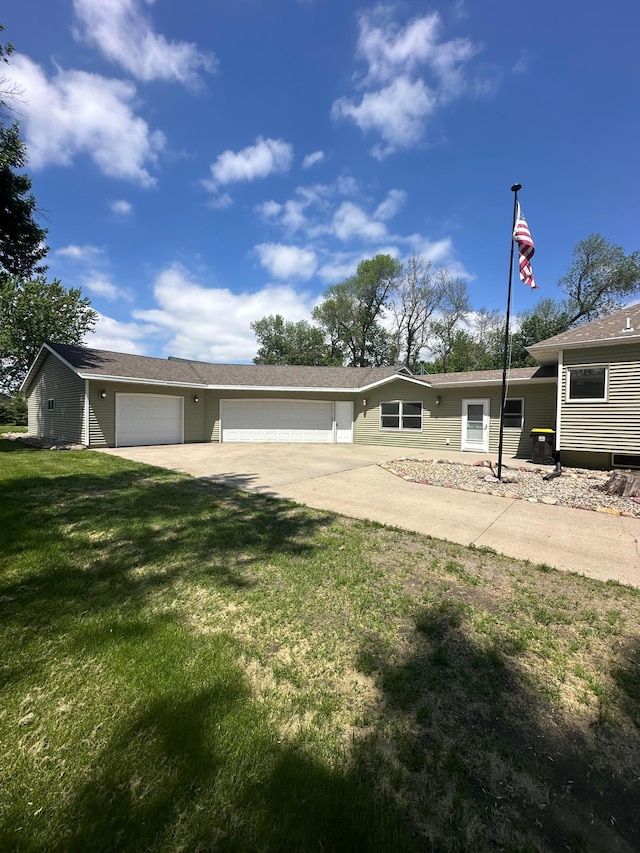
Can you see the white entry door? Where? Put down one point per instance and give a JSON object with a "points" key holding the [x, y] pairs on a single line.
{"points": [[475, 425], [344, 422]]}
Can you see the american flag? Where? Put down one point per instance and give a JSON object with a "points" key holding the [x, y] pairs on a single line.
{"points": [[526, 249]]}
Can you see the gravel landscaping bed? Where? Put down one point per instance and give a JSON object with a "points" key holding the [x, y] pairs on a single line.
{"points": [[576, 487]]}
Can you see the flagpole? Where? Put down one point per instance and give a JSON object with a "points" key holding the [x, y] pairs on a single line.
{"points": [[505, 355]]}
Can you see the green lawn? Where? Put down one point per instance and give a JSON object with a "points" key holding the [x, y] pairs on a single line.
{"points": [[188, 667], [12, 428]]}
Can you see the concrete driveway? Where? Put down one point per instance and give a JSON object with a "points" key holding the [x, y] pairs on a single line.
{"points": [[347, 479]]}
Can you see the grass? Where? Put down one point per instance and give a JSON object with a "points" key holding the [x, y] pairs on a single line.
{"points": [[188, 667], [12, 428]]}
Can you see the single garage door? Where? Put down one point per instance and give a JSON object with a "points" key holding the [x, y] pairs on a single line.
{"points": [[148, 419], [303, 421]]}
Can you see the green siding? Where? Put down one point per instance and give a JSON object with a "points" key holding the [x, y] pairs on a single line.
{"points": [[610, 426], [102, 412], [65, 422], [444, 422]]}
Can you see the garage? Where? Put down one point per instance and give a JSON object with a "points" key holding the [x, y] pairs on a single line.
{"points": [[148, 419], [303, 421]]}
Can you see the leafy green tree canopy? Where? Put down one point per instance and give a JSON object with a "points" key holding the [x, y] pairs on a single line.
{"points": [[284, 342], [350, 312], [601, 278], [35, 311]]}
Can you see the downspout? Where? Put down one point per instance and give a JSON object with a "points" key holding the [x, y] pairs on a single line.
{"points": [[85, 426]]}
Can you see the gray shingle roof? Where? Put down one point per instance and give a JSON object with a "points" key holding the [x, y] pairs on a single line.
{"points": [[102, 363], [611, 328], [514, 374]]}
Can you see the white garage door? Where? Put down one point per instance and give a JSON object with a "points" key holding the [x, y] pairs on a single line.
{"points": [[148, 419], [301, 421]]}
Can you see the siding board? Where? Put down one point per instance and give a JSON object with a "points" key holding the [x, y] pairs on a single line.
{"points": [[612, 425], [66, 421], [442, 423]]}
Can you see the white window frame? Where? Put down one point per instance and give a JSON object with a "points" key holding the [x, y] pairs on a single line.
{"points": [[401, 404], [569, 399], [515, 400], [51, 404]]}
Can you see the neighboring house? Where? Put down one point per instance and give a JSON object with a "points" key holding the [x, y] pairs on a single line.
{"points": [[100, 398]]}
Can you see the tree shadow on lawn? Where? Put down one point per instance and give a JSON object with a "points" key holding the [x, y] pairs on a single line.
{"points": [[86, 545], [200, 767], [493, 762]]}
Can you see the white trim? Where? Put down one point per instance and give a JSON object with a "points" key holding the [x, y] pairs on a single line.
{"points": [[85, 427], [559, 397], [401, 405], [166, 383], [577, 400], [521, 399]]}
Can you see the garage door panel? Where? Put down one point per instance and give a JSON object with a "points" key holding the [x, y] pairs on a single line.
{"points": [[278, 421], [148, 419]]}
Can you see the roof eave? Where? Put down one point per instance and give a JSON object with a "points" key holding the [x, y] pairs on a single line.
{"points": [[540, 351]]}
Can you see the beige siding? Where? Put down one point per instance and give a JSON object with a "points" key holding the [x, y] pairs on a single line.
{"points": [[102, 411], [442, 424], [55, 381], [610, 426]]}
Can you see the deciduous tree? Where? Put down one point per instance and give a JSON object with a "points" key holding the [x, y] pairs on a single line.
{"points": [[284, 342], [600, 280], [32, 312]]}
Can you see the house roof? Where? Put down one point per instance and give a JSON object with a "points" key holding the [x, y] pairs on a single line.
{"points": [[103, 364], [90, 363], [621, 327], [491, 377]]}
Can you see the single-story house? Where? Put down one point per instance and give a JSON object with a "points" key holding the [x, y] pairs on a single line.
{"points": [[109, 399]]}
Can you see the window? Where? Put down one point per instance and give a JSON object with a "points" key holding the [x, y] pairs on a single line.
{"points": [[401, 415], [51, 404], [586, 383], [513, 414]]}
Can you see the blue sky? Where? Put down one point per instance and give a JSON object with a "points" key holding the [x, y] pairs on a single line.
{"points": [[202, 165]]}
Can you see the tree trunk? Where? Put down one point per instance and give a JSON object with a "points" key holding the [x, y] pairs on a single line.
{"points": [[623, 483]]}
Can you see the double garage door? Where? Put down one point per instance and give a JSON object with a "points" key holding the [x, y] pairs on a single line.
{"points": [[303, 421]]}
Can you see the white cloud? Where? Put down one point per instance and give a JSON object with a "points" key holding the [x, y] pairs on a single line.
{"points": [[214, 324], [399, 100], [125, 36], [101, 285], [266, 157], [312, 159], [78, 113], [398, 113], [110, 334], [84, 254], [393, 204], [121, 207], [389, 50], [351, 221], [287, 262], [93, 278]]}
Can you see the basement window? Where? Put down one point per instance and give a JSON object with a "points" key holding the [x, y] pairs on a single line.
{"points": [[625, 460], [51, 404]]}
